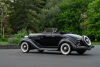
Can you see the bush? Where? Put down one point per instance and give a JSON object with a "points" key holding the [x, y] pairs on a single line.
{"points": [[4, 39], [16, 39]]}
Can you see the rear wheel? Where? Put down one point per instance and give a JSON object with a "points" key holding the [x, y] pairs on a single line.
{"points": [[65, 48], [81, 52], [25, 47]]}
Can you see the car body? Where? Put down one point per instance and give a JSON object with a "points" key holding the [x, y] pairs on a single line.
{"points": [[52, 40]]}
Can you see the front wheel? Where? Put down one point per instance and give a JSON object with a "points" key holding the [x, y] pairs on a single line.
{"points": [[81, 52], [65, 48], [25, 47]]}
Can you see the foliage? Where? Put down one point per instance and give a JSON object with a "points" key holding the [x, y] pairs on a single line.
{"points": [[4, 39], [77, 16], [16, 38], [95, 43], [0, 35], [24, 14], [4, 43], [4, 27], [48, 13], [70, 17], [92, 25]]}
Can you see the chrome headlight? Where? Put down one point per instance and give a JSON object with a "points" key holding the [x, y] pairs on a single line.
{"points": [[25, 36], [86, 40]]}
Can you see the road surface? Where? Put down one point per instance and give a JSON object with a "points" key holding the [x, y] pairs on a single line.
{"points": [[15, 58]]}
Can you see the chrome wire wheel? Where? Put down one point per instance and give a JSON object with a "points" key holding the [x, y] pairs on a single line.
{"points": [[25, 47], [65, 48]]}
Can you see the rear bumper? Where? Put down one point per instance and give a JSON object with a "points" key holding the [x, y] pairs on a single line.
{"points": [[84, 47]]}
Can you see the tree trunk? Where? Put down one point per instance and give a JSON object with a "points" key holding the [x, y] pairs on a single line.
{"points": [[3, 32], [1, 26]]}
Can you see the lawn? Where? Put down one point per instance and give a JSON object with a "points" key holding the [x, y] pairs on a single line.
{"points": [[95, 43], [4, 43]]}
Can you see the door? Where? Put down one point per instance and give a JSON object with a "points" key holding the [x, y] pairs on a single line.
{"points": [[50, 40], [56, 38], [46, 39]]}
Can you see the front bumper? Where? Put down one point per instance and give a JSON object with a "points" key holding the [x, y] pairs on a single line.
{"points": [[84, 47]]}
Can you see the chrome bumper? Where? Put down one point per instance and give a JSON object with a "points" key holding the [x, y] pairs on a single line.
{"points": [[84, 47]]}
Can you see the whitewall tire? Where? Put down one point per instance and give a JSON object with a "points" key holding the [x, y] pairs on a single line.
{"points": [[25, 47], [65, 48]]}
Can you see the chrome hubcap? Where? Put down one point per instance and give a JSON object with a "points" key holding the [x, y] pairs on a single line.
{"points": [[65, 48], [24, 47]]}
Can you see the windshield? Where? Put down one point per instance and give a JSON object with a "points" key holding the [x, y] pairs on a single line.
{"points": [[50, 30]]}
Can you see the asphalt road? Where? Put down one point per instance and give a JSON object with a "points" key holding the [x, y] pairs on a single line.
{"points": [[15, 58]]}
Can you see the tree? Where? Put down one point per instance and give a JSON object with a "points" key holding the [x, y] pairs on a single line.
{"points": [[3, 16], [24, 14], [48, 13], [71, 15], [92, 25]]}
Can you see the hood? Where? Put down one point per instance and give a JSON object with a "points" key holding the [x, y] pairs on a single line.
{"points": [[74, 36]]}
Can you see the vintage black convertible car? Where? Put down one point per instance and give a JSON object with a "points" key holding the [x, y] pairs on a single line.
{"points": [[50, 39]]}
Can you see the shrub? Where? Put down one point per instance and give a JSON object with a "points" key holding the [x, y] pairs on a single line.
{"points": [[4, 39], [16, 38]]}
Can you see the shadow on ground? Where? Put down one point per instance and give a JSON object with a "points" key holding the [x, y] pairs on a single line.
{"points": [[57, 53]]}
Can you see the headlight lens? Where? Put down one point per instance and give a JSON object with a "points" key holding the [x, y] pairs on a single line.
{"points": [[25, 36], [86, 40]]}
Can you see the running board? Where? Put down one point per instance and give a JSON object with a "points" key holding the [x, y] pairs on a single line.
{"points": [[49, 49]]}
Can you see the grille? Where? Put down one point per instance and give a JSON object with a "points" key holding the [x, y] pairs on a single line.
{"points": [[73, 40], [81, 43]]}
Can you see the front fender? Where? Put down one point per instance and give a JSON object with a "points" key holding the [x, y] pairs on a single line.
{"points": [[66, 40], [31, 42]]}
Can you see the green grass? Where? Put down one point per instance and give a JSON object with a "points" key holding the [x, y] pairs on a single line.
{"points": [[95, 43], [4, 43]]}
